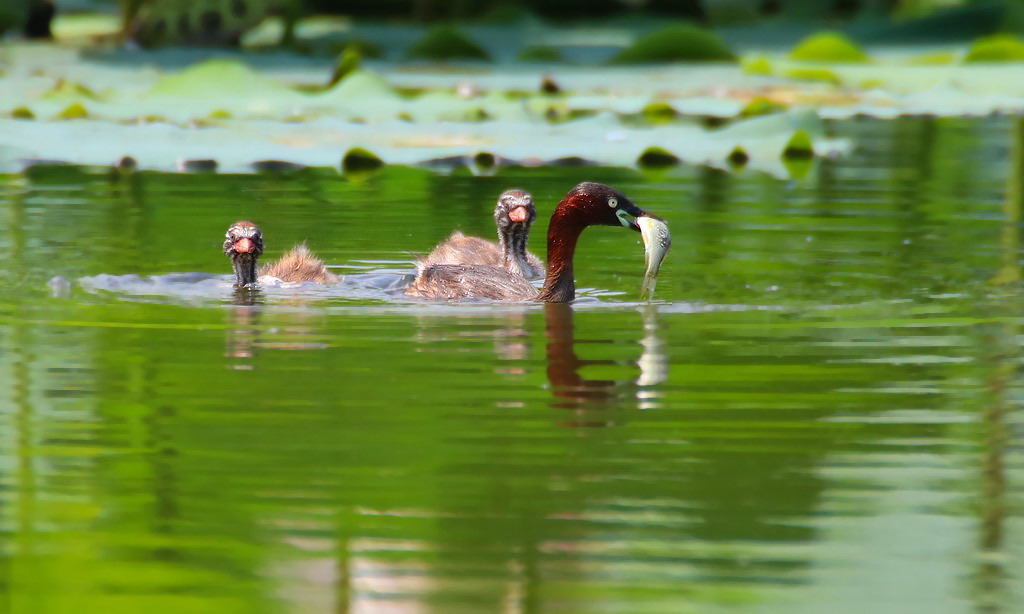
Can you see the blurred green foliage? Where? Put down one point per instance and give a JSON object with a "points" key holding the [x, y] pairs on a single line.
{"points": [[503, 11], [677, 43], [828, 47], [999, 48], [444, 42], [12, 14], [540, 53]]}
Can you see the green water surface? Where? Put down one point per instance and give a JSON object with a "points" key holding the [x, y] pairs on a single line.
{"points": [[821, 412]]}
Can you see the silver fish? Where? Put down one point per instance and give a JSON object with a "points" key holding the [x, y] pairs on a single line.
{"points": [[657, 240]]}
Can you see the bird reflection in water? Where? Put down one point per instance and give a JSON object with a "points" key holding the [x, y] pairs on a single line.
{"points": [[246, 296], [572, 391], [511, 339], [247, 333], [242, 335]]}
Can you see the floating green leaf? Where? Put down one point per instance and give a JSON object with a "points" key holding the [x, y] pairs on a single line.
{"points": [[221, 85], [677, 43], [446, 43], [66, 90], [998, 48], [659, 113], [813, 74], [360, 85], [365, 48], [800, 145], [242, 146], [828, 47], [359, 159], [540, 53], [738, 157], [75, 110], [933, 59], [654, 157], [762, 106], [214, 77], [757, 65], [347, 63]]}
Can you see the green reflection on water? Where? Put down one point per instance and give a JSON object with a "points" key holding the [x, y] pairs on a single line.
{"points": [[817, 415]]}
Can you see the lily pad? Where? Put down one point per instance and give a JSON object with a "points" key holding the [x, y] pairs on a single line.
{"points": [[540, 53], [348, 62], [235, 145], [813, 74], [654, 157], [261, 111], [757, 65], [446, 43], [361, 95], [828, 47], [762, 106], [659, 113], [678, 43], [213, 78], [75, 110], [359, 159], [219, 86], [933, 59], [800, 145], [998, 48]]}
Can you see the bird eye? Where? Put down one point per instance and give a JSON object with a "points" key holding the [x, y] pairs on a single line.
{"points": [[613, 202]]}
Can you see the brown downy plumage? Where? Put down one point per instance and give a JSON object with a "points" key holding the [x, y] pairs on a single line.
{"points": [[587, 204], [244, 244], [299, 264], [513, 216]]}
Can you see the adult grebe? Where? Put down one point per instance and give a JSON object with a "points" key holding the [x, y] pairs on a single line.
{"points": [[587, 204]]}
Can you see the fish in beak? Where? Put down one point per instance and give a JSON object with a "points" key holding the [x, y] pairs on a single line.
{"points": [[657, 241]]}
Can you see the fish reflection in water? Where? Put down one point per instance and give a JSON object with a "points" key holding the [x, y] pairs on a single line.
{"points": [[573, 391], [653, 361], [512, 347], [335, 566]]}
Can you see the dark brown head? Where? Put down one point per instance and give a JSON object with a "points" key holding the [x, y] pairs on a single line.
{"points": [[595, 204], [587, 204], [514, 207], [243, 243]]}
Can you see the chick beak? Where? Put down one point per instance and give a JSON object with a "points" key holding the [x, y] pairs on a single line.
{"points": [[518, 215], [244, 245]]}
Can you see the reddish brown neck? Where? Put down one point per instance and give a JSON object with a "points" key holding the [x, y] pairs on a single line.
{"points": [[563, 232]]}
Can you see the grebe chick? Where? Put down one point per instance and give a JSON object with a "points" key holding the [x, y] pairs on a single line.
{"points": [[243, 243], [513, 215], [587, 204]]}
